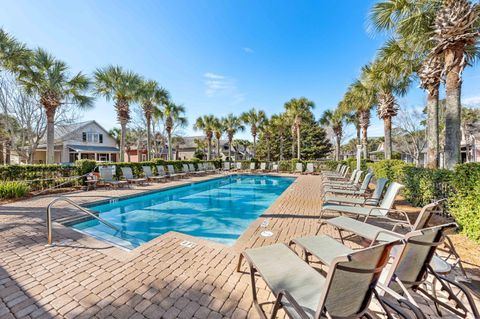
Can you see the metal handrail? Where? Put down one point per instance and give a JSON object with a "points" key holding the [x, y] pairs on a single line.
{"points": [[71, 202]]}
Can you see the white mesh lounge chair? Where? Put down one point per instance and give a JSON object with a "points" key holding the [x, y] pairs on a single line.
{"points": [[337, 172], [353, 197], [106, 177], [361, 191], [303, 292], [227, 166], [147, 171], [341, 177], [252, 166], [192, 170], [128, 174], [275, 168], [352, 183], [173, 174], [299, 168], [381, 211], [185, 170], [263, 167], [161, 171], [310, 169]]}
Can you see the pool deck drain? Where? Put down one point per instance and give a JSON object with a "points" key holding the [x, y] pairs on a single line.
{"points": [[86, 278]]}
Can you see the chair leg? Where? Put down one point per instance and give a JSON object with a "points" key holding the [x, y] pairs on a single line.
{"points": [[254, 293], [240, 259]]}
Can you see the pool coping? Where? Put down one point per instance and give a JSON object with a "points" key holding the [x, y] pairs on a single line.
{"points": [[124, 254]]}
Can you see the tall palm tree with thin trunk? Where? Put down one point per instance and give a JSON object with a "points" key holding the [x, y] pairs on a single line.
{"points": [[456, 32], [267, 132], [280, 124], [297, 109], [335, 120], [255, 120], [232, 125], [49, 79], [173, 116], [206, 123], [218, 130], [123, 87], [151, 96], [389, 79]]}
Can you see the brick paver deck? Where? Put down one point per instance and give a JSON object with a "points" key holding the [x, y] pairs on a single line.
{"points": [[81, 277]]}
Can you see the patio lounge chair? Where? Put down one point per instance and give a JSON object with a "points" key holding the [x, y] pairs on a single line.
{"points": [[341, 177], [351, 184], [380, 211], [362, 191], [128, 174], [303, 292], [106, 176], [147, 171], [252, 167], [310, 169], [412, 264], [161, 171], [299, 168], [192, 170], [337, 172], [209, 168], [173, 174], [377, 234], [227, 166], [263, 167], [185, 170], [360, 197], [275, 168]]}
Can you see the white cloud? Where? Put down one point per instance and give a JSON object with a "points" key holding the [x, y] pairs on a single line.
{"points": [[472, 101], [221, 85], [248, 50]]}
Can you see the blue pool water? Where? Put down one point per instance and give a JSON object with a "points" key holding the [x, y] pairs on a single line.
{"points": [[218, 210]]}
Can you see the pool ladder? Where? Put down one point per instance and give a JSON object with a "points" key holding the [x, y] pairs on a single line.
{"points": [[71, 202]]}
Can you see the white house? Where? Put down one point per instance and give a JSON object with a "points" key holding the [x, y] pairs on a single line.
{"points": [[85, 140]]}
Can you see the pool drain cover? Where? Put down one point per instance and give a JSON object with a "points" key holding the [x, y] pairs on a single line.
{"points": [[187, 244], [266, 233]]}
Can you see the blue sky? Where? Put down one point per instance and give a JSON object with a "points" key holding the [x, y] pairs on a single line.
{"points": [[215, 56]]}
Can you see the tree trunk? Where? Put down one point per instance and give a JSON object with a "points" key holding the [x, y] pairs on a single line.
{"points": [[453, 107], [8, 152], [218, 148], [209, 149], [50, 111], [230, 149], [169, 136], [387, 125], [293, 143], [281, 147], [123, 127], [365, 142], [337, 147], [298, 143], [2, 157], [433, 144], [149, 135], [254, 145], [268, 150]]}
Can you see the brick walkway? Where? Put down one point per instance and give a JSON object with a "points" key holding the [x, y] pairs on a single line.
{"points": [[81, 277]]}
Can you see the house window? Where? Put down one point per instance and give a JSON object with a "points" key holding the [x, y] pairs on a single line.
{"points": [[92, 137]]}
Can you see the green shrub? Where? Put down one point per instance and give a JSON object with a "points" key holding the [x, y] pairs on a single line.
{"points": [[13, 189], [423, 186], [85, 166], [390, 169]]}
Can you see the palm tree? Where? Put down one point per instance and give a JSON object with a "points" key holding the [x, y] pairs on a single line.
{"points": [[413, 22], [151, 96], [389, 79], [232, 125], [267, 132], [297, 109], [361, 99], [218, 130], [455, 35], [335, 120], [13, 54], [115, 133], [280, 124], [173, 116], [49, 79], [255, 120], [177, 140], [206, 123], [121, 86]]}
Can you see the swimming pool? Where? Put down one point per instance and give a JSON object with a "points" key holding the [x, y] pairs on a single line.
{"points": [[219, 210]]}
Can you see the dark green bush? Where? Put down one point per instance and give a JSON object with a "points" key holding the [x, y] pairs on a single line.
{"points": [[85, 166], [13, 189], [390, 169], [423, 186]]}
